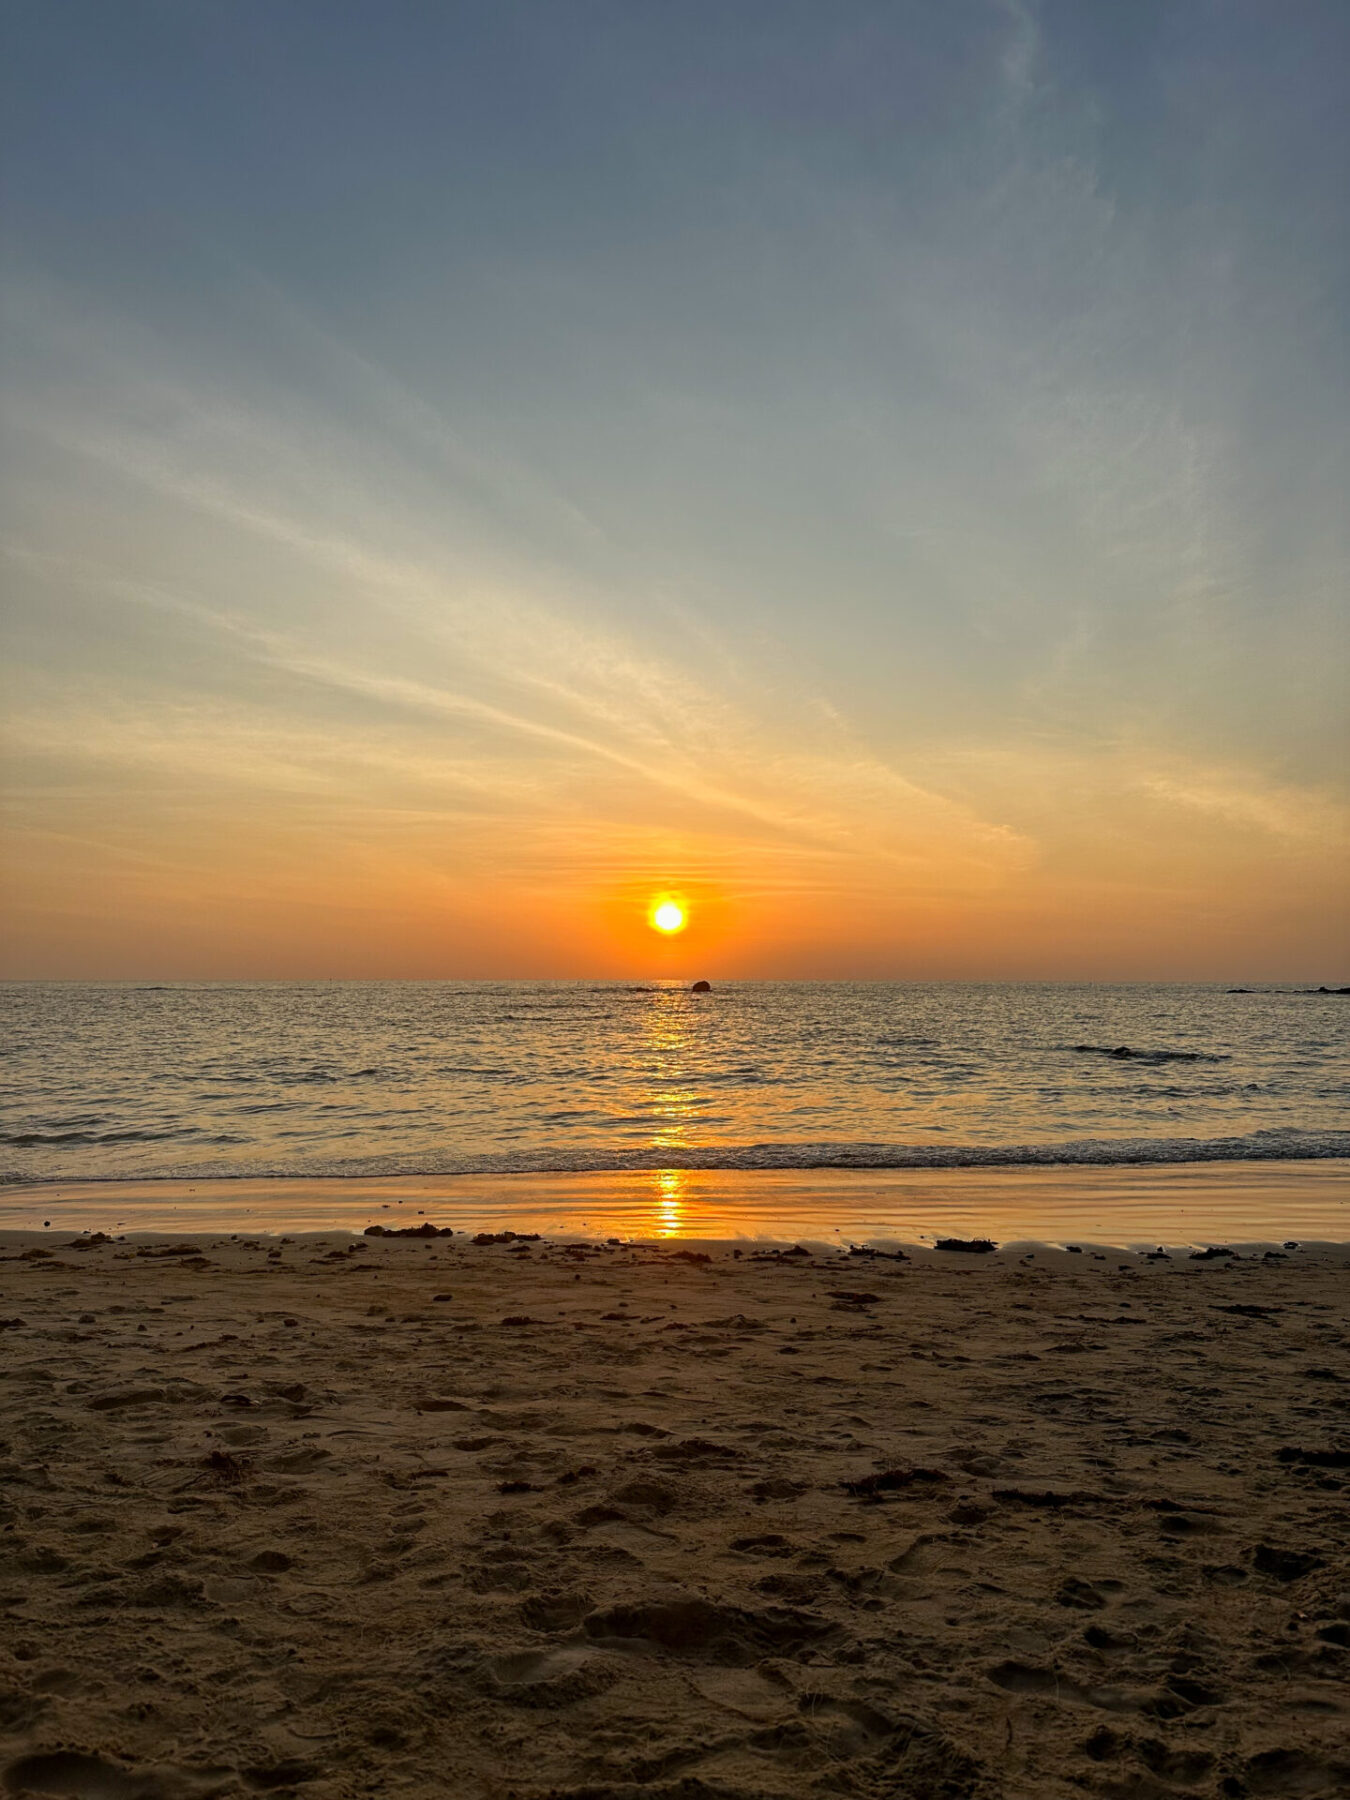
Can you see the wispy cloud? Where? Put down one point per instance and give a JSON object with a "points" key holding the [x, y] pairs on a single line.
{"points": [[903, 483]]}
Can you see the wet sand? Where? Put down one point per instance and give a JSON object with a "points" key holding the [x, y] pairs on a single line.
{"points": [[1127, 1204], [336, 1517]]}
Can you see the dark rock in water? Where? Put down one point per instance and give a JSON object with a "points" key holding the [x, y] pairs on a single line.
{"points": [[504, 1237], [701, 987], [413, 1231], [1327, 990], [976, 1246], [1213, 1251]]}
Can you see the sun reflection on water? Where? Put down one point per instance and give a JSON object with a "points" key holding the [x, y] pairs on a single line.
{"points": [[670, 1100]]}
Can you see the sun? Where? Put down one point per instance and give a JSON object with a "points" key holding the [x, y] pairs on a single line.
{"points": [[668, 916]]}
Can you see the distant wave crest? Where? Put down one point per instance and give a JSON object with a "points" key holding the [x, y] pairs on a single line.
{"points": [[28, 1140], [1123, 1053]]}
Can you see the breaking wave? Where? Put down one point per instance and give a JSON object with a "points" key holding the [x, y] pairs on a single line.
{"points": [[1260, 1146]]}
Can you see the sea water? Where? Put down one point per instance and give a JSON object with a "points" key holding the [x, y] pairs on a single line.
{"points": [[197, 1079]]}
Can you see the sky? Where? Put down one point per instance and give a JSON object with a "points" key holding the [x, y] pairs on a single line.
{"points": [[874, 471]]}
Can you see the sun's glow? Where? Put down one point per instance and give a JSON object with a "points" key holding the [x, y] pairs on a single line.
{"points": [[669, 916]]}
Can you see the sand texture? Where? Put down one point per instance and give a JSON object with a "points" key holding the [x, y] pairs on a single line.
{"points": [[435, 1518]]}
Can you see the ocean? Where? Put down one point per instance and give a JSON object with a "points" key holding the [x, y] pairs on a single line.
{"points": [[275, 1079]]}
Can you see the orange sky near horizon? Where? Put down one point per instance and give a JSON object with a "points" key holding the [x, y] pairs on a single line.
{"points": [[318, 912]]}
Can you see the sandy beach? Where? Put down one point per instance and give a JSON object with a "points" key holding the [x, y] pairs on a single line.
{"points": [[334, 1516]]}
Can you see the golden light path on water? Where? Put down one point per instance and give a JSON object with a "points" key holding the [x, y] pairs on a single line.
{"points": [[666, 1093], [674, 1104]]}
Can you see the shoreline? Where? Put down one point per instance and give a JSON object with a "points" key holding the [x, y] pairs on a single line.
{"points": [[1120, 1205]]}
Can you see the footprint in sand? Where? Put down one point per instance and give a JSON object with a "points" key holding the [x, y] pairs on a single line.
{"points": [[553, 1677], [755, 1694]]}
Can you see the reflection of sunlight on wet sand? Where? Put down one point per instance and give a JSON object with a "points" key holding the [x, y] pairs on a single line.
{"points": [[668, 1213], [1181, 1203]]}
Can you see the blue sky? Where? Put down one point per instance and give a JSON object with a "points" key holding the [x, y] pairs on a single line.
{"points": [[879, 469]]}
